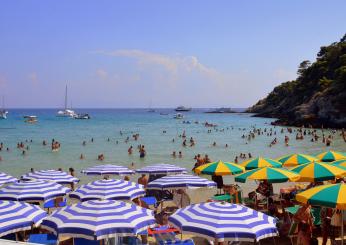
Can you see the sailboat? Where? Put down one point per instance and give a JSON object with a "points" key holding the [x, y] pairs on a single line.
{"points": [[66, 112], [3, 112], [150, 109]]}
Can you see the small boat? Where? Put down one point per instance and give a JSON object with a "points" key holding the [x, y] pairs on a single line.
{"points": [[183, 108], [3, 112], [163, 113], [178, 116], [30, 119], [150, 110], [82, 116], [66, 112]]}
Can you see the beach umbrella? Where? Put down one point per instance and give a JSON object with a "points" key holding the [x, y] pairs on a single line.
{"points": [[341, 163], [18, 216], [99, 219], [180, 181], [331, 156], [161, 168], [260, 162], [108, 189], [5, 178], [272, 175], [107, 169], [332, 195], [220, 168], [51, 175], [318, 171], [222, 221], [292, 160], [33, 191]]}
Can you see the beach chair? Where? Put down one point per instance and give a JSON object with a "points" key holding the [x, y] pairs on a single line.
{"points": [[47, 239], [169, 238], [53, 204]]}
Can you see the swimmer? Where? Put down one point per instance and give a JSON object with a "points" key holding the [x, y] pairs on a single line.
{"points": [[81, 157], [174, 155], [180, 154], [130, 150]]}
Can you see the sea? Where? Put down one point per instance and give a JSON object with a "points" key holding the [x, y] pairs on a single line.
{"points": [[158, 131]]}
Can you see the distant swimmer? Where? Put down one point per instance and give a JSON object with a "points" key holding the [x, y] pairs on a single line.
{"points": [[142, 152], [180, 154], [81, 157], [174, 155], [129, 151]]}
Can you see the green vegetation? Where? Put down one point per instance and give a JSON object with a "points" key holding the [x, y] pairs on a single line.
{"points": [[316, 97]]}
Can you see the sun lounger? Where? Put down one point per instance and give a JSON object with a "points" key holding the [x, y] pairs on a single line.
{"points": [[46, 239], [169, 238]]}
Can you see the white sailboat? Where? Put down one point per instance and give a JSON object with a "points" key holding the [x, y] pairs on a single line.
{"points": [[66, 112], [3, 111]]}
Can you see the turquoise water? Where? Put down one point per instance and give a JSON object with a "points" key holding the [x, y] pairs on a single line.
{"points": [[107, 123]]}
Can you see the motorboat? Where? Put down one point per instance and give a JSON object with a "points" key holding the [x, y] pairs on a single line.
{"points": [[178, 116], [183, 108], [66, 112], [30, 119], [82, 116]]}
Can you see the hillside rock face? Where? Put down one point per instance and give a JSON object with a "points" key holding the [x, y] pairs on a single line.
{"points": [[317, 97]]}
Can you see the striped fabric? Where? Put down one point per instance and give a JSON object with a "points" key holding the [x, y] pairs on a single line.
{"points": [[51, 175], [33, 191], [95, 220], [107, 169], [161, 168], [180, 181], [224, 222], [108, 189], [5, 178], [18, 216]]}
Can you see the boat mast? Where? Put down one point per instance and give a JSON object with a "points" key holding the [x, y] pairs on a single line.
{"points": [[66, 97]]}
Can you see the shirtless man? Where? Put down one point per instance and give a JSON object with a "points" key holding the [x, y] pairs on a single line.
{"points": [[143, 180]]}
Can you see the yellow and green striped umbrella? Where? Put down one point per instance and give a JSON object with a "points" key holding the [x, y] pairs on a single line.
{"points": [[260, 162], [318, 171], [341, 163], [272, 175], [220, 168], [331, 156], [296, 159], [332, 195]]}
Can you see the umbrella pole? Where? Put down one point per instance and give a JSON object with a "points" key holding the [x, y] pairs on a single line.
{"points": [[342, 227]]}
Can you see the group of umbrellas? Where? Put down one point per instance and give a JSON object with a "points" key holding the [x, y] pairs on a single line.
{"points": [[102, 212]]}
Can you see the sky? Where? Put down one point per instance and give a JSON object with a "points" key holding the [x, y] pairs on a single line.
{"points": [[157, 53]]}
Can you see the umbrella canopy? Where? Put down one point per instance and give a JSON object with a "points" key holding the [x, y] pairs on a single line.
{"points": [[224, 222], [316, 171], [107, 169], [332, 195], [51, 175], [272, 175], [220, 168], [341, 163], [108, 189], [296, 159], [5, 178], [33, 191], [330, 156], [180, 181], [161, 168], [99, 219], [18, 216], [260, 162]]}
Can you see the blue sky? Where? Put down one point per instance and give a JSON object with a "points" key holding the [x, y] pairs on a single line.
{"points": [[167, 53]]}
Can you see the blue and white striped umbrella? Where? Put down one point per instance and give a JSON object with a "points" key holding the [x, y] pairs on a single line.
{"points": [[161, 168], [99, 219], [51, 175], [224, 222], [180, 181], [33, 191], [109, 189], [18, 216], [5, 178], [107, 169]]}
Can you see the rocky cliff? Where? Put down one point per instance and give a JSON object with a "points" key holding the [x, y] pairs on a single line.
{"points": [[317, 97]]}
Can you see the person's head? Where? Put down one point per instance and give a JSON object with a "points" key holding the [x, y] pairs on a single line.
{"points": [[143, 175], [270, 200], [127, 178], [59, 169], [31, 170], [71, 170]]}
